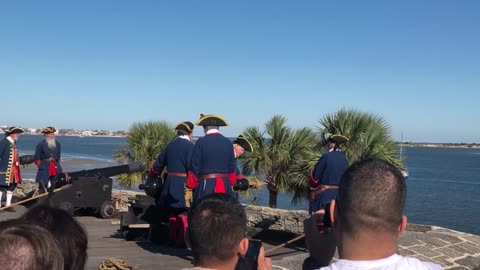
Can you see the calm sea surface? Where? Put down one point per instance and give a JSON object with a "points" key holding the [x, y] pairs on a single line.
{"points": [[443, 187]]}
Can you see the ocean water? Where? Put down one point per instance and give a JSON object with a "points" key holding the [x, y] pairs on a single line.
{"points": [[443, 186], [95, 148]]}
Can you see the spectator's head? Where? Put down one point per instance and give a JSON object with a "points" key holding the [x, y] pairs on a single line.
{"points": [[29, 247], [371, 199], [69, 233], [217, 231]]}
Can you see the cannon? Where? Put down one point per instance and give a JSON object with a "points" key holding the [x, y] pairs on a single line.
{"points": [[90, 189], [145, 211]]}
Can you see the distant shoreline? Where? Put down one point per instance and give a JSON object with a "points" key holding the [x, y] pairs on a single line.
{"points": [[407, 144], [83, 136], [442, 145]]}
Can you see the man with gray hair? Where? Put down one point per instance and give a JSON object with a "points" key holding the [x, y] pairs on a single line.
{"points": [[47, 158]]}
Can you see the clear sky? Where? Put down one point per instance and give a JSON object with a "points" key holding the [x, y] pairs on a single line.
{"points": [[105, 64]]}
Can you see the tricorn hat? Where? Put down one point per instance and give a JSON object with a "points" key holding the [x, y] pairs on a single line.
{"points": [[211, 120], [243, 142], [337, 138], [185, 126], [14, 130], [47, 130]]}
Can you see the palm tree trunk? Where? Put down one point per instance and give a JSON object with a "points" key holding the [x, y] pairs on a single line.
{"points": [[272, 200]]}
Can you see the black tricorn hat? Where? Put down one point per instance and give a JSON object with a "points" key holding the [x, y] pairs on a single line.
{"points": [[243, 142], [48, 130], [337, 138], [14, 130], [186, 126], [211, 120]]}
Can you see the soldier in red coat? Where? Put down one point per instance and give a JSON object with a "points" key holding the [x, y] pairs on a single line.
{"points": [[9, 164]]}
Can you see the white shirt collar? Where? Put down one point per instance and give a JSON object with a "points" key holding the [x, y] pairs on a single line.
{"points": [[10, 140], [210, 131], [186, 137]]}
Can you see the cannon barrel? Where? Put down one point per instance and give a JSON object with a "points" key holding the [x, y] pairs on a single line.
{"points": [[26, 159], [63, 178]]}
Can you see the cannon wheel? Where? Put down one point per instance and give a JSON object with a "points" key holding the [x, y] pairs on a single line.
{"points": [[107, 210]]}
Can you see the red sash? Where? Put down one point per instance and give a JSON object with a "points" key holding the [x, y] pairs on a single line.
{"points": [[52, 169]]}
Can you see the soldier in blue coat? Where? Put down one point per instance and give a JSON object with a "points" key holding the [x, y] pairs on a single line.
{"points": [[176, 158], [212, 168], [47, 158], [240, 146], [325, 177], [9, 165]]}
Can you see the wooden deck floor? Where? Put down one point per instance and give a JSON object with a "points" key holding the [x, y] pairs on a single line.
{"points": [[105, 242]]}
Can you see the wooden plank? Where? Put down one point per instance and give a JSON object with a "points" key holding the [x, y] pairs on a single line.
{"points": [[139, 226]]}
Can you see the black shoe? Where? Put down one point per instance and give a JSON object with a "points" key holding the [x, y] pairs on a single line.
{"points": [[11, 209]]}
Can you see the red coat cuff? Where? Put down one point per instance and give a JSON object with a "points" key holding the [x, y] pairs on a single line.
{"points": [[312, 181], [154, 173], [232, 177]]}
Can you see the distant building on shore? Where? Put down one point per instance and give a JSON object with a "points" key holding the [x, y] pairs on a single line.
{"points": [[87, 133]]}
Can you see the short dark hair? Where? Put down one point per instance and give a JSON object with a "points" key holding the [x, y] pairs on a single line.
{"points": [[69, 233], [216, 225], [29, 247], [181, 132], [371, 197]]}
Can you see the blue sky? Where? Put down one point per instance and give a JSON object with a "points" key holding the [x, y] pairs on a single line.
{"points": [[106, 64]]}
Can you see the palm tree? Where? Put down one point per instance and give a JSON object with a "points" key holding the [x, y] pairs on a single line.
{"points": [[369, 134], [279, 157], [144, 142]]}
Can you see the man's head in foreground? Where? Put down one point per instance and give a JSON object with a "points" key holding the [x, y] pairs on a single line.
{"points": [[28, 247], [371, 198], [368, 210], [217, 231]]}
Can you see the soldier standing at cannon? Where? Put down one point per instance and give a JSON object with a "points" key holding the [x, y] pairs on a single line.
{"points": [[47, 158], [240, 146], [212, 168], [9, 164], [176, 157], [325, 176]]}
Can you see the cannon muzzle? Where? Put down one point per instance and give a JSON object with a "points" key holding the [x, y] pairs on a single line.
{"points": [[241, 185], [26, 159], [152, 186]]}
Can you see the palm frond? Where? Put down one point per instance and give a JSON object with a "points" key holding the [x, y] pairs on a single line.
{"points": [[369, 134], [144, 143]]}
